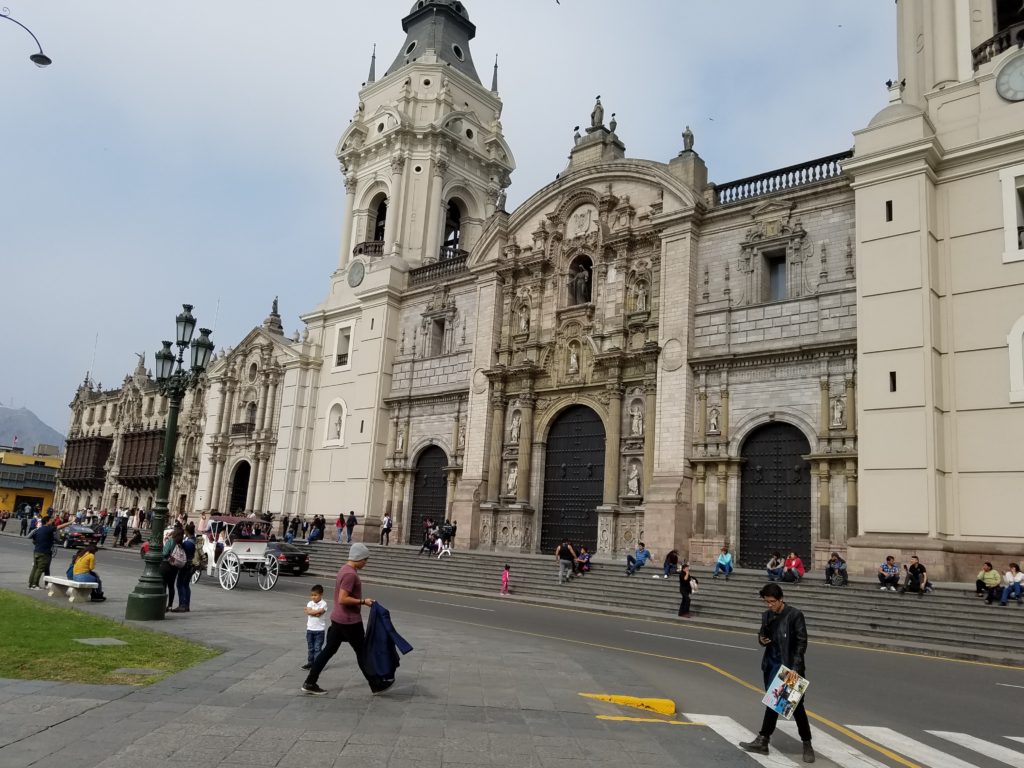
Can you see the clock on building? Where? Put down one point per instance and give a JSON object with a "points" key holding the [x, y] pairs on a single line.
{"points": [[1010, 79], [356, 272]]}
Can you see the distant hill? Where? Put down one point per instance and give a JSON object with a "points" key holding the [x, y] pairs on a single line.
{"points": [[28, 428]]}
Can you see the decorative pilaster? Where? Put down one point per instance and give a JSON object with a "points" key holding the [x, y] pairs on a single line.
{"points": [[723, 494], [702, 415], [824, 502], [394, 207], [264, 397], [700, 499], [346, 226], [823, 412], [526, 404], [494, 457], [261, 459], [254, 478], [724, 416], [435, 204], [613, 447], [650, 414], [852, 522], [851, 406], [389, 496]]}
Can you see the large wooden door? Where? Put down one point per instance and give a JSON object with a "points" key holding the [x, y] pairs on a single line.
{"points": [[573, 479], [429, 491]]}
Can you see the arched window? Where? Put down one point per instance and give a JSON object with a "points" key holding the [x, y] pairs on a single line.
{"points": [[250, 413], [580, 281], [334, 429], [452, 229], [378, 218]]}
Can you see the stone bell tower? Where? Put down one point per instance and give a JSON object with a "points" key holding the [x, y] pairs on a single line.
{"points": [[425, 164]]}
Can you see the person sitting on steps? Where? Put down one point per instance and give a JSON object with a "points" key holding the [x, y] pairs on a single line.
{"points": [[835, 571], [917, 578], [988, 582], [793, 568], [638, 559], [670, 565], [774, 567], [723, 564], [889, 574], [1014, 584]]}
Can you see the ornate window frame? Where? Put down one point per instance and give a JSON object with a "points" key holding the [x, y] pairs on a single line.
{"points": [[1012, 182], [350, 326], [330, 441]]}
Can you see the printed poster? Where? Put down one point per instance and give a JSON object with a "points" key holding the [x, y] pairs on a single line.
{"points": [[786, 691]]}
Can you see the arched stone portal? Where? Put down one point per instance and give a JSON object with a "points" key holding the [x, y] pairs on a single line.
{"points": [[239, 487], [428, 491], [775, 495], [573, 478]]}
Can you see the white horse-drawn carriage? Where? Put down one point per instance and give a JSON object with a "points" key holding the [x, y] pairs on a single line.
{"points": [[231, 546]]}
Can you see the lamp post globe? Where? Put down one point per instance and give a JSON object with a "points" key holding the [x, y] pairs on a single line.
{"points": [[40, 59], [148, 601]]}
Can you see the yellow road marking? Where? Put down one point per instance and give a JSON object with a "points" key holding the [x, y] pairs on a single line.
{"points": [[623, 719], [661, 706], [707, 665]]}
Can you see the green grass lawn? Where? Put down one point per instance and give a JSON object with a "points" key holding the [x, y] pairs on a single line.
{"points": [[37, 642]]}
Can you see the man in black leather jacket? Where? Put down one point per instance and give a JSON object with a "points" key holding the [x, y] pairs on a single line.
{"points": [[783, 635]]}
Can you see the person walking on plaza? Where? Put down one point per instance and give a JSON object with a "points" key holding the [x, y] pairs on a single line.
{"points": [[44, 539], [687, 586], [783, 635], [183, 579], [84, 569], [346, 622], [565, 556], [504, 579], [1014, 584], [723, 564], [174, 560], [23, 528], [350, 525], [987, 583], [339, 526], [889, 574], [316, 624], [385, 529]]}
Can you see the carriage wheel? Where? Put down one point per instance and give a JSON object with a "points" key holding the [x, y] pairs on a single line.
{"points": [[196, 573], [227, 570], [267, 574]]}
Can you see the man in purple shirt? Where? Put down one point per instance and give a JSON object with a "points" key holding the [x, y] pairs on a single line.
{"points": [[346, 621]]}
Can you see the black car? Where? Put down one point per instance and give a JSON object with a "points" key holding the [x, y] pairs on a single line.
{"points": [[78, 536], [290, 559]]}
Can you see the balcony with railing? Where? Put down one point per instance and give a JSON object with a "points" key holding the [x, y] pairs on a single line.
{"points": [[369, 248], [452, 262], [1003, 40], [784, 179], [242, 428]]}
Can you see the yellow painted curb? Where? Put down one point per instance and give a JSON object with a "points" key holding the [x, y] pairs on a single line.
{"points": [[622, 719], [661, 706]]}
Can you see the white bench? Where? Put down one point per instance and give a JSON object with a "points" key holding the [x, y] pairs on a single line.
{"points": [[75, 590]]}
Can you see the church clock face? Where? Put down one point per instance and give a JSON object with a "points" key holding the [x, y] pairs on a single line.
{"points": [[1010, 80], [356, 272]]}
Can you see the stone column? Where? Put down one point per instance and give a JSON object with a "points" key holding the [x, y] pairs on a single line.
{"points": [[264, 396], [525, 449], [435, 204], [261, 486], [650, 414], [824, 412], [211, 487], [702, 416], [613, 445], [723, 492], [824, 502], [944, 50], [389, 499], [219, 488], [494, 458], [254, 477], [394, 207], [272, 402], [399, 522], [346, 223], [851, 500], [700, 499], [225, 426], [392, 436], [450, 498], [851, 406], [723, 417]]}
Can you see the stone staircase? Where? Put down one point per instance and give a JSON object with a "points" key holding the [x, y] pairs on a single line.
{"points": [[948, 622]]}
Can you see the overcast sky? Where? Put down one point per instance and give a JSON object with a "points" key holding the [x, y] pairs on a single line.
{"points": [[185, 152]]}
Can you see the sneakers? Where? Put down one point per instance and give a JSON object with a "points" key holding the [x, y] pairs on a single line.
{"points": [[306, 666], [883, 588], [892, 589], [34, 586], [312, 689]]}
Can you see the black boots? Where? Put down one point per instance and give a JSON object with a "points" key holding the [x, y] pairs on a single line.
{"points": [[758, 745], [808, 752]]}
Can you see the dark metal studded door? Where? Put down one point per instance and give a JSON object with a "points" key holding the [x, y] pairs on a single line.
{"points": [[429, 492], [239, 488], [775, 495], [573, 479]]}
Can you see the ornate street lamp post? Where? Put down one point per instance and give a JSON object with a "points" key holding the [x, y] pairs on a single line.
{"points": [[39, 59], [149, 599]]}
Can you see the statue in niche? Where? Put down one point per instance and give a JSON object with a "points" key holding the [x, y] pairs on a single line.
{"points": [[400, 442], [633, 480], [687, 140], [337, 428], [581, 285], [574, 359], [597, 116], [462, 437], [838, 412], [513, 432], [713, 420], [512, 480], [641, 297], [499, 203], [636, 421], [524, 319]]}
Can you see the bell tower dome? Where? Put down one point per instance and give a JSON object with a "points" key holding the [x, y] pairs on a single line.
{"points": [[442, 26]]}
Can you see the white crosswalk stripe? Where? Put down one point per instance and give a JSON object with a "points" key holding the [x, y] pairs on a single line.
{"points": [[734, 733], [1017, 738], [828, 746], [921, 753], [982, 747]]}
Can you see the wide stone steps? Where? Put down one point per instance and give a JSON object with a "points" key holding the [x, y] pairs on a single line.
{"points": [[950, 621]]}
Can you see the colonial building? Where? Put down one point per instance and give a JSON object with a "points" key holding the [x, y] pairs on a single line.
{"points": [[27, 479], [114, 442]]}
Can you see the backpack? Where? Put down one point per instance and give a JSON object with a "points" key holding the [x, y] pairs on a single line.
{"points": [[177, 558]]}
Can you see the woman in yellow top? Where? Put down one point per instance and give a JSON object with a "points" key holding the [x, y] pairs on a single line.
{"points": [[82, 570]]}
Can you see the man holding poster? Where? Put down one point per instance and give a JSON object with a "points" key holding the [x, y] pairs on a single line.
{"points": [[783, 635]]}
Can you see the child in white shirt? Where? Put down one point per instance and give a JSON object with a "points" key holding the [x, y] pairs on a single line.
{"points": [[316, 624]]}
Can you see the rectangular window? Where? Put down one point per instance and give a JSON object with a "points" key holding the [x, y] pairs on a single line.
{"points": [[1012, 182], [436, 342], [343, 347], [775, 276], [888, 210], [892, 381]]}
